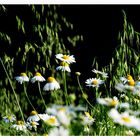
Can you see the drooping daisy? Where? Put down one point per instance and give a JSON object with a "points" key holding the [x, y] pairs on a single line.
{"points": [[34, 117], [105, 75], [124, 119], [19, 126], [9, 118], [64, 67], [22, 78], [87, 119], [38, 77], [32, 125], [66, 58], [61, 131], [52, 84], [94, 82], [113, 102]]}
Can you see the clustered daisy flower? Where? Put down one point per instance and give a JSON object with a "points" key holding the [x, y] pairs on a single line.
{"points": [[103, 74], [22, 78], [113, 102], [128, 84], [94, 82], [52, 84], [20, 125], [38, 77], [64, 67], [9, 118], [66, 58], [124, 119]]}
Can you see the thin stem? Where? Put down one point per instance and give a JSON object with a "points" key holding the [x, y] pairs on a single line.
{"points": [[65, 88], [83, 91], [41, 95], [13, 90], [28, 97]]}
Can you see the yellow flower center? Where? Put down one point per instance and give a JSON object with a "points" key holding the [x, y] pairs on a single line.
{"points": [[51, 79], [37, 74], [51, 120], [113, 102], [131, 83], [95, 82], [129, 77], [33, 123], [126, 119], [62, 109], [45, 134], [20, 123], [33, 113], [66, 57], [87, 114], [64, 64], [9, 117], [23, 74]]}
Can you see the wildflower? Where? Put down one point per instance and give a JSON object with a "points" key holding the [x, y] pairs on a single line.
{"points": [[19, 126], [88, 119], [22, 78], [63, 117], [108, 101], [64, 67], [93, 82], [51, 85], [61, 131], [66, 58], [37, 77], [9, 118], [32, 125], [124, 119], [52, 121], [124, 88], [104, 75], [128, 80], [34, 116]]}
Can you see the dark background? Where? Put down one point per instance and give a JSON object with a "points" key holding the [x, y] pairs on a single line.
{"points": [[99, 25]]}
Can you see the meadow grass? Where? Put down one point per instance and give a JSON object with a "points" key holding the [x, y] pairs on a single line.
{"points": [[104, 105]]}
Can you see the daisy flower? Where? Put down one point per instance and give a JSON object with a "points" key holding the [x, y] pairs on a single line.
{"points": [[64, 67], [34, 117], [105, 75], [88, 119], [32, 125], [9, 118], [38, 77], [93, 82], [22, 78], [66, 58], [52, 121], [19, 126], [128, 80], [52, 84], [61, 131], [124, 119], [108, 101]]}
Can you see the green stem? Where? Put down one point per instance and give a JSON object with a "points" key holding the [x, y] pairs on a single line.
{"points": [[13, 90], [41, 95], [83, 91], [28, 97], [65, 88]]}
